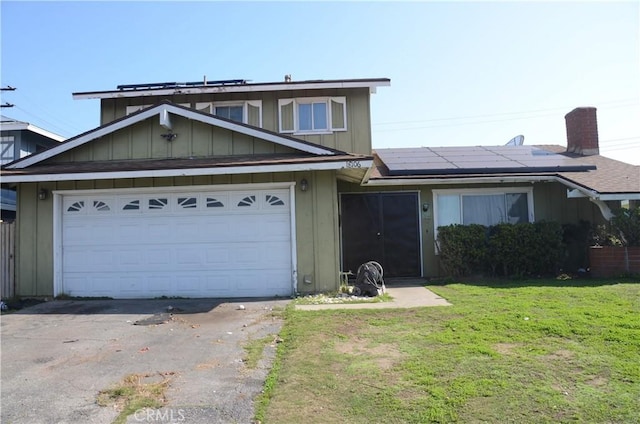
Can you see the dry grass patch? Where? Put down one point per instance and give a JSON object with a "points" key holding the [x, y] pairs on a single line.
{"points": [[135, 392]]}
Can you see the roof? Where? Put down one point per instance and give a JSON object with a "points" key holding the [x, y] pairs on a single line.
{"points": [[307, 156], [610, 176], [172, 88], [473, 160], [164, 110], [10, 124], [242, 164], [595, 176]]}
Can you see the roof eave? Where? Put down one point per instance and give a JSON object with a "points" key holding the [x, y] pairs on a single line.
{"points": [[25, 126], [187, 172], [372, 84]]}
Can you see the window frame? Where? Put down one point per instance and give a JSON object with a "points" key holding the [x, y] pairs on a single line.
{"points": [[327, 100], [210, 108], [487, 191]]}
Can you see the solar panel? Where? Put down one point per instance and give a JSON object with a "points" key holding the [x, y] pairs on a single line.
{"points": [[475, 159]]}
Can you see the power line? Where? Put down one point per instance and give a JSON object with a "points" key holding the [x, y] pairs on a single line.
{"points": [[622, 103]]}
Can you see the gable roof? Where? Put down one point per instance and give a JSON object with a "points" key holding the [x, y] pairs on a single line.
{"points": [[597, 177], [163, 111], [238, 86], [10, 124], [307, 156]]}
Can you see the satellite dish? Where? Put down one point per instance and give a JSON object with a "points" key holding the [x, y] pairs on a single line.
{"points": [[516, 141]]}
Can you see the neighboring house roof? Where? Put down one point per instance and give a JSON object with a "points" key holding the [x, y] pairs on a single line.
{"points": [[237, 86], [611, 176], [595, 176], [308, 156], [9, 124]]}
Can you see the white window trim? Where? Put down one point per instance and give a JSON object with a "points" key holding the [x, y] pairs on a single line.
{"points": [[478, 191], [209, 107], [307, 100]]}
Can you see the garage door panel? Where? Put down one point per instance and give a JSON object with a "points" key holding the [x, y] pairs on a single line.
{"points": [[207, 244], [215, 255]]}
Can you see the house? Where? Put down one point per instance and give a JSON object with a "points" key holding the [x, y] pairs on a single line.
{"points": [[207, 189], [492, 184], [231, 188], [19, 139]]}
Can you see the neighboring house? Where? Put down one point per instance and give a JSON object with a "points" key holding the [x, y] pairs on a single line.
{"points": [[227, 188], [17, 140]]}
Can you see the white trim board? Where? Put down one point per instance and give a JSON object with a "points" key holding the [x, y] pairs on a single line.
{"points": [[153, 173], [240, 88], [163, 111], [21, 126]]}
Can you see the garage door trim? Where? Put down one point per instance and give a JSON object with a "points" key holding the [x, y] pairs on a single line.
{"points": [[58, 201]]}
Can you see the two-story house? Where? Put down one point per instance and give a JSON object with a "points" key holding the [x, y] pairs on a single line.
{"points": [[17, 140], [230, 188], [208, 189]]}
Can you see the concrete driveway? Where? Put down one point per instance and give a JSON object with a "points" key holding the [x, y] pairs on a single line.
{"points": [[57, 356]]}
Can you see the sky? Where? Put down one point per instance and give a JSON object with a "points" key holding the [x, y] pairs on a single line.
{"points": [[462, 73]]}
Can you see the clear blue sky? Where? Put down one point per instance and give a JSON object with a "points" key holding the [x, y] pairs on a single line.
{"points": [[461, 73]]}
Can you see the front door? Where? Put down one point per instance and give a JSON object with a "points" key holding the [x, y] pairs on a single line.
{"points": [[381, 227]]}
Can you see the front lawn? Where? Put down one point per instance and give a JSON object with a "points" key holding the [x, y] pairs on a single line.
{"points": [[545, 351]]}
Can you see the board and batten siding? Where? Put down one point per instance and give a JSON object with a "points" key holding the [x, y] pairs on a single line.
{"points": [[316, 225], [143, 141], [357, 138]]}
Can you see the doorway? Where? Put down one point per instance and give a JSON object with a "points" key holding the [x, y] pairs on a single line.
{"points": [[381, 227]]}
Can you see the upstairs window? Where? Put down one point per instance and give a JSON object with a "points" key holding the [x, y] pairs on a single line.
{"points": [[247, 112], [312, 115]]}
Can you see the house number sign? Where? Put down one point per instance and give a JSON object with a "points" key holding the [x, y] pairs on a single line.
{"points": [[354, 164]]}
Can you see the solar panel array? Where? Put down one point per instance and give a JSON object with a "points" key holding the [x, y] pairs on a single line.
{"points": [[475, 160]]}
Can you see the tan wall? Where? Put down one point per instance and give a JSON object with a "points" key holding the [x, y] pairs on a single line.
{"points": [[316, 225], [357, 138]]}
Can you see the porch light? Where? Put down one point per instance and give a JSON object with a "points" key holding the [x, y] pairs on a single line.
{"points": [[304, 184], [43, 193]]}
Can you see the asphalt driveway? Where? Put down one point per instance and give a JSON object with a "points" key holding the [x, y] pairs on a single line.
{"points": [[57, 356]]}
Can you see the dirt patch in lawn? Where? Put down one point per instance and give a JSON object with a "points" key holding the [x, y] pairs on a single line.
{"points": [[505, 348], [384, 355]]}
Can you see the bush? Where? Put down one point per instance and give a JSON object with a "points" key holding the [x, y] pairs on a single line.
{"points": [[503, 249], [462, 248], [625, 225]]}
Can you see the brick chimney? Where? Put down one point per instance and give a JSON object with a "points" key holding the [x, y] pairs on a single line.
{"points": [[582, 131]]}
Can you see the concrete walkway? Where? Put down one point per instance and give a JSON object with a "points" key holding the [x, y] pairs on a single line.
{"points": [[403, 297]]}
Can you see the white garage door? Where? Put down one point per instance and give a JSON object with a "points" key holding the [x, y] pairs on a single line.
{"points": [[198, 244]]}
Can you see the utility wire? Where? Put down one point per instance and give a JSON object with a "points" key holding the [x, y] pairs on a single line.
{"points": [[623, 103]]}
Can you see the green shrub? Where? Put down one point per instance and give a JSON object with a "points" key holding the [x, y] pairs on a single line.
{"points": [[625, 225], [462, 248], [503, 249]]}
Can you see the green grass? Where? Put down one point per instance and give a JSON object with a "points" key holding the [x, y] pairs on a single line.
{"points": [[545, 351], [133, 394], [254, 350]]}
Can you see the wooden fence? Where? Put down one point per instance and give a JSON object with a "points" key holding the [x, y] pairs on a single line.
{"points": [[7, 259]]}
